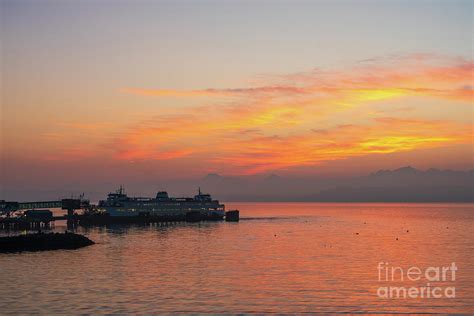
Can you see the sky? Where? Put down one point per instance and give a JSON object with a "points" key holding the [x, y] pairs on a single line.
{"points": [[102, 92]]}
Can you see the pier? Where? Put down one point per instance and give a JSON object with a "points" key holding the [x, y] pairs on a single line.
{"points": [[24, 224], [37, 216]]}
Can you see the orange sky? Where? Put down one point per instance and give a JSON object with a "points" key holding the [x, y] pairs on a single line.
{"points": [[310, 118], [107, 92], [401, 104]]}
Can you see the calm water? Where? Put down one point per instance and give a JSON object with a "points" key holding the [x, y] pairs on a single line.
{"points": [[282, 257]]}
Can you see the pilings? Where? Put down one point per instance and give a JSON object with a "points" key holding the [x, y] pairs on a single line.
{"points": [[74, 220], [24, 224], [232, 216]]}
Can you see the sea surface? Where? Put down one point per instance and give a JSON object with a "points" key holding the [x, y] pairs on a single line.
{"points": [[280, 258]]}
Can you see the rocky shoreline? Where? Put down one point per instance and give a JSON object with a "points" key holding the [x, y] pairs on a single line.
{"points": [[43, 242]]}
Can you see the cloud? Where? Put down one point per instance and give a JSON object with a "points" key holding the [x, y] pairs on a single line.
{"points": [[397, 76], [382, 135], [216, 92], [307, 118]]}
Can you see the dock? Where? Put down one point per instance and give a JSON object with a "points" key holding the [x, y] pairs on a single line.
{"points": [[35, 217]]}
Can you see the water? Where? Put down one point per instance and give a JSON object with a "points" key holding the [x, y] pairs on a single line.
{"points": [[281, 257]]}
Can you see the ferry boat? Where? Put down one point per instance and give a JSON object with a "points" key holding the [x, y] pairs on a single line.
{"points": [[119, 204]]}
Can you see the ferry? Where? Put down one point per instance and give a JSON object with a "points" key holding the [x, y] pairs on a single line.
{"points": [[118, 204]]}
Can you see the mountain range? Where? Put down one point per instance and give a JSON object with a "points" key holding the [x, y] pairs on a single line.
{"points": [[405, 184]]}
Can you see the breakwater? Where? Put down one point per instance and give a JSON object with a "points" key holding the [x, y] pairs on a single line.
{"points": [[42, 242]]}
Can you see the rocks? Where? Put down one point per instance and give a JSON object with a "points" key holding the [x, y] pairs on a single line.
{"points": [[42, 242]]}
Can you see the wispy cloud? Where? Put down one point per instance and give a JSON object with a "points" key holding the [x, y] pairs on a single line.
{"points": [[381, 135], [298, 119], [217, 92], [416, 74]]}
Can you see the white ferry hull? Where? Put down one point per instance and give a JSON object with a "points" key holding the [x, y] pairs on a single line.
{"points": [[123, 212]]}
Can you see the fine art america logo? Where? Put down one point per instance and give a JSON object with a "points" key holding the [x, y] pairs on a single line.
{"points": [[438, 282]]}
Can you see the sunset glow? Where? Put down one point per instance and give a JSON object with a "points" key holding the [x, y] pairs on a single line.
{"points": [[236, 157], [176, 109], [265, 128]]}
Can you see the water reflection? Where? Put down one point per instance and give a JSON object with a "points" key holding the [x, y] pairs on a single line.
{"points": [[288, 257]]}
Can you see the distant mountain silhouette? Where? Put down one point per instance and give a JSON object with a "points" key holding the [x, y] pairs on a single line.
{"points": [[212, 177], [411, 177], [400, 171], [405, 184], [273, 177]]}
